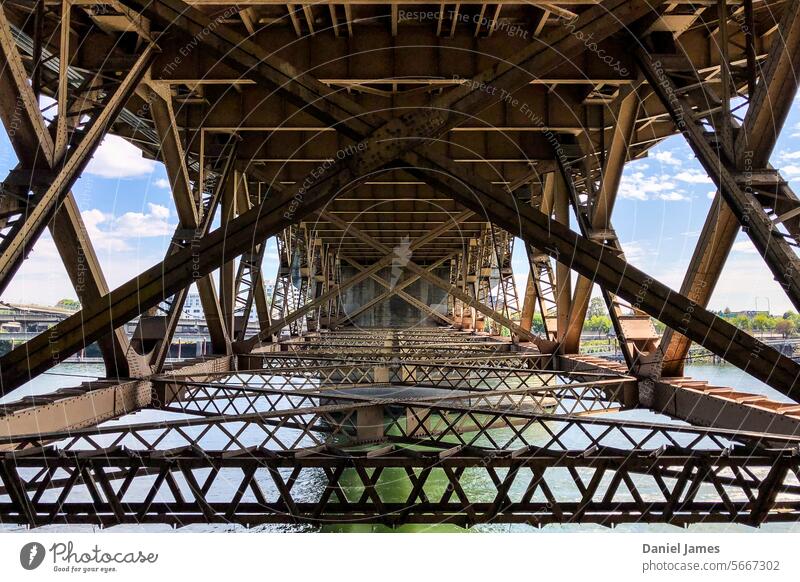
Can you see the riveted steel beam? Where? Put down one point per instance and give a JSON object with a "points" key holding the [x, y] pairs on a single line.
{"points": [[195, 213], [600, 208], [766, 113], [657, 298], [33, 144], [25, 232]]}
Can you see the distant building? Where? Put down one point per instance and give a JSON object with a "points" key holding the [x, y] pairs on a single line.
{"points": [[193, 307]]}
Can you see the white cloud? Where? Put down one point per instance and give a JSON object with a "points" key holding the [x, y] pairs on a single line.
{"points": [[790, 155], [162, 183], [710, 195], [116, 158], [674, 196], [666, 157], [791, 171], [102, 239], [139, 224], [693, 177], [638, 186], [744, 246], [112, 233]]}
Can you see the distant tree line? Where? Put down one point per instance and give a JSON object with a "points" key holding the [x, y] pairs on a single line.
{"points": [[597, 318], [787, 325]]}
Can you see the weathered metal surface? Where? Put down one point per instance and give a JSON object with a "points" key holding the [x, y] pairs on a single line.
{"points": [[408, 158]]}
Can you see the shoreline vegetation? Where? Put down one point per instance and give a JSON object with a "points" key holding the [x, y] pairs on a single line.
{"points": [[761, 324]]}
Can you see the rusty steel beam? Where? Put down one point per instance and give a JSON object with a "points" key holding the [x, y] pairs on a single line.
{"points": [[18, 242], [702, 274], [227, 270], [21, 108], [631, 284], [601, 209], [780, 257], [563, 290], [249, 285], [193, 219], [33, 144], [541, 292], [62, 94], [766, 113], [773, 97]]}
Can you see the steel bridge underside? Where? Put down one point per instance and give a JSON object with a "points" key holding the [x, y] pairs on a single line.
{"points": [[395, 374], [390, 427]]}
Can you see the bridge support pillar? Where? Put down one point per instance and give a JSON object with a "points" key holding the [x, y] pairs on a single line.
{"points": [[369, 423]]}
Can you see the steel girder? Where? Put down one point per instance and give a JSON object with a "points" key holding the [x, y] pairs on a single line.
{"points": [[593, 205], [548, 288], [35, 149], [196, 210], [768, 106]]}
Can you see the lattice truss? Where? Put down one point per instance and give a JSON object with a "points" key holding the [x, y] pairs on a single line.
{"points": [[315, 437], [395, 175]]}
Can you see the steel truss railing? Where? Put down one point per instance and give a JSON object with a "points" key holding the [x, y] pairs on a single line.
{"points": [[277, 360], [468, 438], [254, 484], [533, 486], [574, 399]]}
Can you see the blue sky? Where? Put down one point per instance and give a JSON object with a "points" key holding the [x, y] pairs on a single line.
{"points": [[663, 201], [660, 210]]}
